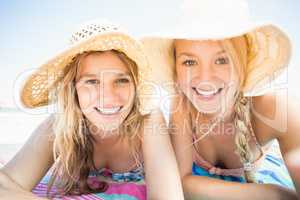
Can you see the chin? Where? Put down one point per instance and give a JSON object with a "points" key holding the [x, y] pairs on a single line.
{"points": [[207, 109]]}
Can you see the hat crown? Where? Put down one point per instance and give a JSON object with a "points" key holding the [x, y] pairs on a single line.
{"points": [[92, 28], [214, 12]]}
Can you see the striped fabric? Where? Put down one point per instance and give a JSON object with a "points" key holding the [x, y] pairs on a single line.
{"points": [[272, 171], [122, 186]]}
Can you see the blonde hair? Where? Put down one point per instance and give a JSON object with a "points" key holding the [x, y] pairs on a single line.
{"points": [[73, 147], [237, 49]]}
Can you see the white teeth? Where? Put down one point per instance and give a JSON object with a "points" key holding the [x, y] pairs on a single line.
{"points": [[109, 111], [206, 93]]}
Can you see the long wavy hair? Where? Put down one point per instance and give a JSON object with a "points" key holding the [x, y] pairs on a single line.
{"points": [[237, 48], [73, 144]]}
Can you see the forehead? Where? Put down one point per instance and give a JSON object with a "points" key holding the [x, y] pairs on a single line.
{"points": [[192, 46], [102, 62]]}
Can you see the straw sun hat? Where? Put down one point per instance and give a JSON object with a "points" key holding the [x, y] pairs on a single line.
{"points": [[98, 35], [269, 47]]}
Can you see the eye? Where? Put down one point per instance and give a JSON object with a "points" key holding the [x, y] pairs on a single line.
{"points": [[222, 61], [189, 62], [122, 80], [92, 81]]}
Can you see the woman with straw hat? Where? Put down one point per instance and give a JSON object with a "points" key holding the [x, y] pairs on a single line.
{"points": [[102, 137], [217, 59]]}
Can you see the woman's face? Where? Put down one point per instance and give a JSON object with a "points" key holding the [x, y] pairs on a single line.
{"points": [[105, 89], [205, 74]]}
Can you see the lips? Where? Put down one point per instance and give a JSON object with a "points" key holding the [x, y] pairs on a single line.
{"points": [[108, 111], [207, 94]]}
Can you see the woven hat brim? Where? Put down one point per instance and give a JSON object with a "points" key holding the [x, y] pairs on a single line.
{"points": [[270, 53], [35, 91]]}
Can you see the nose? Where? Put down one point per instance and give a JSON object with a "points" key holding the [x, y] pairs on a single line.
{"points": [[204, 77], [203, 73], [107, 95]]}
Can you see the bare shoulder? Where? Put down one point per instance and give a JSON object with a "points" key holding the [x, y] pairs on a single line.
{"points": [[273, 114]]}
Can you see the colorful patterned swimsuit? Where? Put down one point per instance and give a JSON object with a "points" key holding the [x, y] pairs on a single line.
{"points": [[269, 168], [122, 186]]}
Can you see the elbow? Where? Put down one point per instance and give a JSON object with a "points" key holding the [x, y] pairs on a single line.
{"points": [[188, 186], [7, 183], [3, 182], [3, 178]]}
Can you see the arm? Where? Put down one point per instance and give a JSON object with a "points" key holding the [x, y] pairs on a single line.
{"points": [[293, 164], [10, 190], [162, 176], [29, 165], [279, 119], [290, 141], [198, 187]]}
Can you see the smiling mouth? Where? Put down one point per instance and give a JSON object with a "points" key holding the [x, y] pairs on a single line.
{"points": [[207, 93], [109, 111]]}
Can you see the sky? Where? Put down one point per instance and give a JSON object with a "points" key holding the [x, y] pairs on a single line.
{"points": [[33, 31]]}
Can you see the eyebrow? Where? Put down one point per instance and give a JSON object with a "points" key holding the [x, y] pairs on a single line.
{"points": [[87, 75], [186, 54], [220, 52], [192, 55], [123, 74]]}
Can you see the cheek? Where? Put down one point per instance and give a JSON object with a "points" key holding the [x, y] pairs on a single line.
{"points": [[182, 77], [232, 80], [232, 88], [126, 94], [86, 96], [227, 74]]}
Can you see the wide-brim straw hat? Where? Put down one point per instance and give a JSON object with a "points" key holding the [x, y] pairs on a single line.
{"points": [[269, 48], [96, 35]]}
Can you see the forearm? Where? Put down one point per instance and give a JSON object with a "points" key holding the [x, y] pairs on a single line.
{"points": [[197, 187], [162, 175], [17, 195], [11, 190]]}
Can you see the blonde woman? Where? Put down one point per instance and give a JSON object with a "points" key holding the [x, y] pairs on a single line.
{"points": [[221, 131], [102, 141]]}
